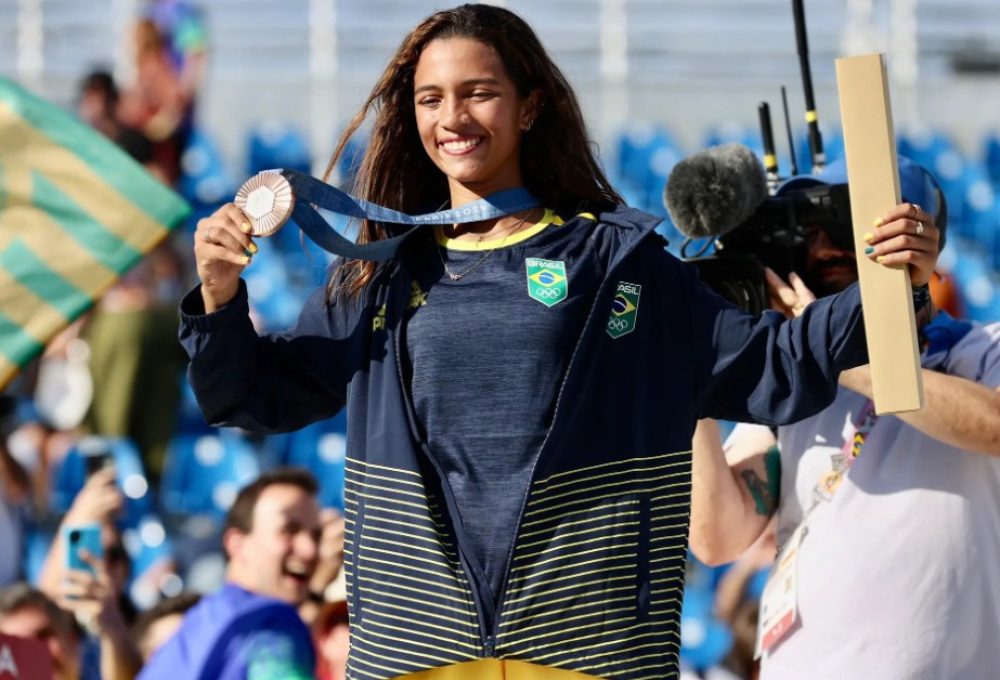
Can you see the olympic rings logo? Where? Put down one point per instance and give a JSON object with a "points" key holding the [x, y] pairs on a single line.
{"points": [[547, 293], [617, 324]]}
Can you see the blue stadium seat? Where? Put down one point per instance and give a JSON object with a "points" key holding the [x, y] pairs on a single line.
{"points": [[204, 180], [272, 450], [69, 476], [924, 145], [350, 160], [268, 289], [984, 221], [977, 284], [635, 149], [37, 541], [661, 162], [203, 473], [705, 641], [189, 417], [833, 147], [321, 449], [273, 145], [991, 157], [950, 170], [735, 133]]}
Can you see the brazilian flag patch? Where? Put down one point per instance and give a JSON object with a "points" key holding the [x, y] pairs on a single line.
{"points": [[624, 309], [547, 280]]}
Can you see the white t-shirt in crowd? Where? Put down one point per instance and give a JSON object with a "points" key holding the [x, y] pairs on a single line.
{"points": [[899, 573]]}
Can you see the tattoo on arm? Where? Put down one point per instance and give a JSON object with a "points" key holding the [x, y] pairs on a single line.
{"points": [[765, 491]]}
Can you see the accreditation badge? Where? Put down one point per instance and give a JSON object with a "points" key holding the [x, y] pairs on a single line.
{"points": [[779, 602]]}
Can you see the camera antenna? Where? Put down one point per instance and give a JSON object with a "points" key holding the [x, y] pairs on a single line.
{"points": [[802, 42], [767, 137], [788, 129]]}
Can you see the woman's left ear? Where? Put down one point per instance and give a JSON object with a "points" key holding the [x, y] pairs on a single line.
{"points": [[532, 107]]}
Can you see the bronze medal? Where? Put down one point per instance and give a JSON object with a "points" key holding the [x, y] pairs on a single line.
{"points": [[267, 200]]}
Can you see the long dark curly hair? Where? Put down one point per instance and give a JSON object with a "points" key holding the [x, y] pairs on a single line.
{"points": [[557, 160]]}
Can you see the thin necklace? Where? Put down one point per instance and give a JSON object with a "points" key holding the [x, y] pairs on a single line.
{"points": [[457, 276]]}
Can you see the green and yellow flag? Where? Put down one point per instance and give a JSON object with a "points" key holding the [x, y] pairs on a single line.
{"points": [[76, 212]]}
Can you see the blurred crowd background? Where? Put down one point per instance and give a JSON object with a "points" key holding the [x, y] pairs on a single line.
{"points": [[207, 93]]}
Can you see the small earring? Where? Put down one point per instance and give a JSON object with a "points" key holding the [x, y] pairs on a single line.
{"points": [[527, 127]]}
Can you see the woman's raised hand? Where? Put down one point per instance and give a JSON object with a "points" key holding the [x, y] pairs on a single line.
{"points": [[222, 249], [905, 235]]}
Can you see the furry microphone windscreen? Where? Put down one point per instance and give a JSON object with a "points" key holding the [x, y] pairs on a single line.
{"points": [[716, 190]]}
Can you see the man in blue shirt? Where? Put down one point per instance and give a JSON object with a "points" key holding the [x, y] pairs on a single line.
{"points": [[250, 629]]}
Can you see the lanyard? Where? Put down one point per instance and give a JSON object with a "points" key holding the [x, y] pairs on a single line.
{"points": [[828, 484], [311, 193]]}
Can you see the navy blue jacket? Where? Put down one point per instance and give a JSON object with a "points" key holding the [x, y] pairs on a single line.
{"points": [[596, 575]]}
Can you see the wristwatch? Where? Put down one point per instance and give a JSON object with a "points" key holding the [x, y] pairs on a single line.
{"points": [[922, 305]]}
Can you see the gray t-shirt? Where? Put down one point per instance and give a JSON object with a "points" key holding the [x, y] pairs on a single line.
{"points": [[899, 574]]}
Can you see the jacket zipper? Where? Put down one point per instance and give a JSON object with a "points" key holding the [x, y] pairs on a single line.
{"points": [[478, 600], [488, 615], [570, 368]]}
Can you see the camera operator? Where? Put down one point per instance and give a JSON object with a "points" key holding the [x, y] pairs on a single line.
{"points": [[888, 531]]}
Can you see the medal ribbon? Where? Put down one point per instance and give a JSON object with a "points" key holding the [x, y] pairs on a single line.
{"points": [[311, 193]]}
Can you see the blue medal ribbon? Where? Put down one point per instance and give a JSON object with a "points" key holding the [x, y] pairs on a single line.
{"points": [[310, 192]]}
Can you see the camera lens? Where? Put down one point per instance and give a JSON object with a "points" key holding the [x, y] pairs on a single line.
{"points": [[74, 536]]}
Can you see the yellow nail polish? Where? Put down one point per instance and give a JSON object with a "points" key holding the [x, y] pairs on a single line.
{"points": [[246, 260], [245, 227], [868, 237], [253, 247], [878, 222], [880, 259]]}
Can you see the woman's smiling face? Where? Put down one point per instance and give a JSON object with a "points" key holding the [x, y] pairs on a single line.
{"points": [[470, 116]]}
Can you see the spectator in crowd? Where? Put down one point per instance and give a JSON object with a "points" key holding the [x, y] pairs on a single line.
{"points": [[98, 502], [160, 622], [251, 628], [156, 103], [182, 25], [134, 361], [889, 525], [327, 573], [332, 641], [97, 105], [51, 400], [99, 599], [946, 295], [491, 418], [15, 486], [28, 613]]}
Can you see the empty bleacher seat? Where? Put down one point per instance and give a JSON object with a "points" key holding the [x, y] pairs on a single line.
{"points": [[274, 144], [205, 181], [991, 157], [977, 283], [705, 641], [203, 473], [321, 448]]}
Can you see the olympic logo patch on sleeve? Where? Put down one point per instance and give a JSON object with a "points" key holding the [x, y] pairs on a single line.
{"points": [[624, 309]]}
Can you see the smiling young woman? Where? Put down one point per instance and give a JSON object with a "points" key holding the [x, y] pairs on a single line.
{"points": [[521, 392]]}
